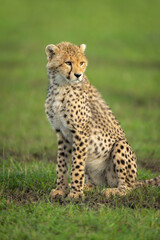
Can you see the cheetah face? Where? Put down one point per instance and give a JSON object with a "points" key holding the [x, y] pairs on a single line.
{"points": [[67, 61]]}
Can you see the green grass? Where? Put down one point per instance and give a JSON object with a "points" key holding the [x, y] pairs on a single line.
{"points": [[27, 212], [123, 50], [48, 221]]}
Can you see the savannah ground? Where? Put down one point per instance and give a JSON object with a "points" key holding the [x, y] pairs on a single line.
{"points": [[123, 50]]}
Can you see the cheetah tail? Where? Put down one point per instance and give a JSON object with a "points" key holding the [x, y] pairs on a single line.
{"points": [[151, 182]]}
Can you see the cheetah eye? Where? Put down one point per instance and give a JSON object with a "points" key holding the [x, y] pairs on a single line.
{"points": [[68, 63], [81, 63]]}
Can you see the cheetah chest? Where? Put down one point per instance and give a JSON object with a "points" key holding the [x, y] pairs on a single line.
{"points": [[55, 110]]}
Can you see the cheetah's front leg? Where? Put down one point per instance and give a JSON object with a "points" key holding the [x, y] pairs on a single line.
{"points": [[78, 164], [63, 157]]}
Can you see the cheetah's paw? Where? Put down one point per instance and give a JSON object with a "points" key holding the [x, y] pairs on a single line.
{"points": [[58, 193], [76, 195]]}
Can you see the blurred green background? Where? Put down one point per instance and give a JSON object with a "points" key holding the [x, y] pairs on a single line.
{"points": [[123, 49]]}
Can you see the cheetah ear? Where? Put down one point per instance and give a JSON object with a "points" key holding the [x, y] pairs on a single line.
{"points": [[82, 47], [51, 51]]}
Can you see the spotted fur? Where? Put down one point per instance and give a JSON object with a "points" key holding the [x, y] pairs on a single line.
{"points": [[86, 128]]}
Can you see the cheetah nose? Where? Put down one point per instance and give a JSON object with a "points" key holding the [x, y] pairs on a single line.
{"points": [[77, 75]]}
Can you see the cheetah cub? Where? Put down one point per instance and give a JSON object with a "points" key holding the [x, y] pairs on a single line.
{"points": [[87, 130]]}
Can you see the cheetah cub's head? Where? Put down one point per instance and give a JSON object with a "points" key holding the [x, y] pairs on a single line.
{"points": [[66, 62]]}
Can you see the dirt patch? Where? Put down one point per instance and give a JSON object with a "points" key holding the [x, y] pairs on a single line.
{"points": [[140, 198], [22, 198]]}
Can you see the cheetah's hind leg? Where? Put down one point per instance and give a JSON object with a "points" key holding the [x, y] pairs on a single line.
{"points": [[122, 170]]}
